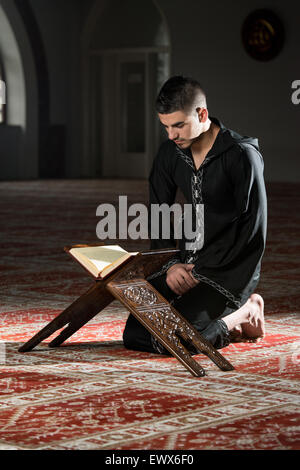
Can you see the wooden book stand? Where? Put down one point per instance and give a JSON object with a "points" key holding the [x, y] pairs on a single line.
{"points": [[128, 284]]}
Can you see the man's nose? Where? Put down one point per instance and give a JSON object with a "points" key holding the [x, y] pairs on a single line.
{"points": [[173, 134]]}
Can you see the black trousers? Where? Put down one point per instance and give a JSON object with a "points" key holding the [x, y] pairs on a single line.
{"points": [[203, 306]]}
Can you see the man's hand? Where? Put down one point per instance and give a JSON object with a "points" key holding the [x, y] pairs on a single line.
{"points": [[180, 279]]}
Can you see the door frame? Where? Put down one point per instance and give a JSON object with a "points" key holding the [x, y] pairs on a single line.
{"points": [[88, 154]]}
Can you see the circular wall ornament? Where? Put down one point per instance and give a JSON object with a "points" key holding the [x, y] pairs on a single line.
{"points": [[263, 35]]}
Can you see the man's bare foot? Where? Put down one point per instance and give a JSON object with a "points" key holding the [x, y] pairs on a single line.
{"points": [[254, 325]]}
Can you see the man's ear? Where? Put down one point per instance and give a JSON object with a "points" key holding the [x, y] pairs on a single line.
{"points": [[202, 114]]}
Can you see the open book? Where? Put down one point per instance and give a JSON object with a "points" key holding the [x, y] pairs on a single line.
{"points": [[101, 260]]}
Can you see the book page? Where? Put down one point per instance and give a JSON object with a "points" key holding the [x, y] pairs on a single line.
{"points": [[100, 256]]}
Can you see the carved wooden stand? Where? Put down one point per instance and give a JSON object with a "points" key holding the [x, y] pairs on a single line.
{"points": [[129, 285]]}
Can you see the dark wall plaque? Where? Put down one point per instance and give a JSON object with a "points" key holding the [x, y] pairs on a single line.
{"points": [[263, 35]]}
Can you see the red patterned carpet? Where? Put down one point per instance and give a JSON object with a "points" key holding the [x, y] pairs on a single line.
{"points": [[91, 393]]}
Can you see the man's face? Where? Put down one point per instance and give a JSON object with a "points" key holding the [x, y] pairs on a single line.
{"points": [[183, 128]]}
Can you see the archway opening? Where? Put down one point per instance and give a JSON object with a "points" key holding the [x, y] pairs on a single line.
{"points": [[127, 58], [19, 132]]}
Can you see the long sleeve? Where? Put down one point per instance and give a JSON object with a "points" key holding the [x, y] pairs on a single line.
{"points": [[234, 264], [162, 190]]}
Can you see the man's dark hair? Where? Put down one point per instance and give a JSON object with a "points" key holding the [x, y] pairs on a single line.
{"points": [[180, 94]]}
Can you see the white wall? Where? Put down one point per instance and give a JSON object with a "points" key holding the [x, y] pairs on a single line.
{"points": [[58, 23], [252, 97]]}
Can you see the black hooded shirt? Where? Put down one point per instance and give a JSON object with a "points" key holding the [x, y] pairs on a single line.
{"points": [[230, 186]]}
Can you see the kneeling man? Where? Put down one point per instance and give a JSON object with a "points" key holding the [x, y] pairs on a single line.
{"points": [[220, 173]]}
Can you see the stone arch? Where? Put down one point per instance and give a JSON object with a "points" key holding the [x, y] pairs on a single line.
{"points": [[101, 35], [22, 98]]}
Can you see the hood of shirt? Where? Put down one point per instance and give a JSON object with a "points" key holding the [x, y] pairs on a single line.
{"points": [[228, 138]]}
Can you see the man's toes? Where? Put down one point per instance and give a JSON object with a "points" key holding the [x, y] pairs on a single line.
{"points": [[258, 300]]}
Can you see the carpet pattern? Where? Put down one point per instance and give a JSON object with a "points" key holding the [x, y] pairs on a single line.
{"points": [[91, 393]]}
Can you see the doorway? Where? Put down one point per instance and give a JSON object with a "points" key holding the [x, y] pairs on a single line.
{"points": [[123, 71], [124, 125]]}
